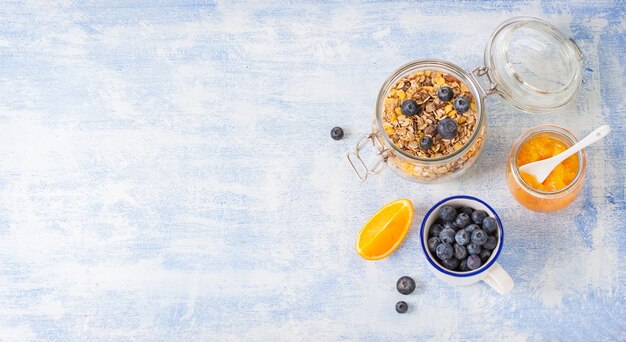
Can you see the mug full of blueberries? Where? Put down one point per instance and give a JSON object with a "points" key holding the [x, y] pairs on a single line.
{"points": [[461, 238]]}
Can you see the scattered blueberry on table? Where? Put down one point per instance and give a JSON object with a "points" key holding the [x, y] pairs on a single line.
{"points": [[336, 133], [402, 307], [405, 285]]}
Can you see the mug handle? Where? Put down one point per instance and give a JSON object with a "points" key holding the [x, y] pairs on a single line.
{"points": [[498, 279]]}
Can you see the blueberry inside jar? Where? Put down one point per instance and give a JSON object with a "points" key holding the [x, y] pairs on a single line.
{"points": [[429, 114]]}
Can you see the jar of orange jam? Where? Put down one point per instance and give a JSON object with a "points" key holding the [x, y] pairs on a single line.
{"points": [[564, 182]]}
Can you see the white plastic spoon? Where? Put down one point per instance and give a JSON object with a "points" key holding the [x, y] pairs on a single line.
{"points": [[541, 169]]}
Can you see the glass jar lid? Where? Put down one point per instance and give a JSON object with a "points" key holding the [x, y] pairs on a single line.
{"points": [[534, 66]]}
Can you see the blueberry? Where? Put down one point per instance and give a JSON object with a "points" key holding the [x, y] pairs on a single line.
{"points": [[433, 242], [484, 254], [447, 213], [462, 237], [405, 285], [402, 307], [491, 243], [445, 94], [459, 251], [462, 220], [467, 210], [451, 225], [444, 251], [473, 248], [478, 216], [479, 237], [473, 262], [490, 225], [426, 142], [336, 133], [463, 266], [410, 107], [447, 128], [447, 235], [435, 229], [470, 229], [461, 104], [451, 263]]}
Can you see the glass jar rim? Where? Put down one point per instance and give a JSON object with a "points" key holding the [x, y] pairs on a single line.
{"points": [[562, 132], [436, 65]]}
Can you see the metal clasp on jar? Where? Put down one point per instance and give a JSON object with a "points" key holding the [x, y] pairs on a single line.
{"points": [[354, 157], [482, 71]]}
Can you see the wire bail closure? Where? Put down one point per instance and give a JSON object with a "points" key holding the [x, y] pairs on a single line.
{"points": [[482, 71], [354, 158]]}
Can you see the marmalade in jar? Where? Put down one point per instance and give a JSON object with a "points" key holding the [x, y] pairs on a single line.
{"points": [[544, 147], [564, 182]]}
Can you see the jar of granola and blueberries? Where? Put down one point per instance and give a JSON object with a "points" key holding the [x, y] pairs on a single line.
{"points": [[430, 121]]}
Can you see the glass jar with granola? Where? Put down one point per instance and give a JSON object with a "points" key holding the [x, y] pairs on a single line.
{"points": [[444, 134], [430, 122]]}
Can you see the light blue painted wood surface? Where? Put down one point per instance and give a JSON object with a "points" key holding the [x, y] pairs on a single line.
{"points": [[167, 174]]}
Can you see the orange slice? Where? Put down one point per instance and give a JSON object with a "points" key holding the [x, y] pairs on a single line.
{"points": [[385, 231]]}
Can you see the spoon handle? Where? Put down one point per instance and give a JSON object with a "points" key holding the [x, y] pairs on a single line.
{"points": [[594, 136]]}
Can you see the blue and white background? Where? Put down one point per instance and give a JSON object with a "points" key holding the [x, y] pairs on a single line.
{"points": [[167, 174]]}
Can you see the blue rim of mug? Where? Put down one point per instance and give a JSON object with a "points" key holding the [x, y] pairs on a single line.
{"points": [[464, 274]]}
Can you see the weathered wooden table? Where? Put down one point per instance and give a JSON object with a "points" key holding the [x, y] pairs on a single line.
{"points": [[166, 173]]}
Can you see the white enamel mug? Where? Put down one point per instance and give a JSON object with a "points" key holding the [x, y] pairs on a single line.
{"points": [[490, 272]]}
